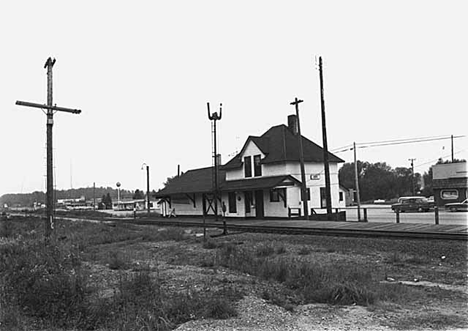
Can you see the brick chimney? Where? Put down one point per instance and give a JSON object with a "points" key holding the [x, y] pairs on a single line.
{"points": [[292, 124]]}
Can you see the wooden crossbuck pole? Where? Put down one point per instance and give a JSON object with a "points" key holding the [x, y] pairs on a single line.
{"points": [[50, 111], [296, 103]]}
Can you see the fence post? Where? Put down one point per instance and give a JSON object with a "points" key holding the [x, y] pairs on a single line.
{"points": [[365, 214], [397, 215], [436, 212]]}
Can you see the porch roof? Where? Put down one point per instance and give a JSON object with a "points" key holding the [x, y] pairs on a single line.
{"points": [[259, 183], [201, 181]]}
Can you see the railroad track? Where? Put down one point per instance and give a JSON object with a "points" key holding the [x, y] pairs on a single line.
{"points": [[310, 231], [229, 227]]}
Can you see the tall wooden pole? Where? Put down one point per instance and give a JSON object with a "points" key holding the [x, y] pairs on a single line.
{"points": [[412, 175], [356, 180], [50, 108], [148, 189], [325, 145], [49, 223], [296, 103], [451, 139]]}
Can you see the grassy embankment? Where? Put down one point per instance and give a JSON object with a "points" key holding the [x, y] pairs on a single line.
{"points": [[100, 277]]}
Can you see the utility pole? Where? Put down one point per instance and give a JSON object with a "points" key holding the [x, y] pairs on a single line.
{"points": [[94, 196], [296, 103], [50, 111], [215, 117], [356, 180], [325, 145], [451, 138], [148, 189], [412, 175]]}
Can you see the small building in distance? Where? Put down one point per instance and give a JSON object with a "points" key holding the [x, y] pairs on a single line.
{"points": [[449, 182], [262, 181]]}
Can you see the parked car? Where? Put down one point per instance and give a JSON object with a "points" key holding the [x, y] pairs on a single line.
{"points": [[457, 206], [419, 204]]}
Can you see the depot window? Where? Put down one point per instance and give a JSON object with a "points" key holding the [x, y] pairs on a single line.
{"points": [[257, 165], [248, 166]]}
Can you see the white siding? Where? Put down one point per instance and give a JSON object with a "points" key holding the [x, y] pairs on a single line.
{"points": [[250, 150]]}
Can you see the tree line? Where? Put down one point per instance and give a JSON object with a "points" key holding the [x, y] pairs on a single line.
{"points": [[107, 194], [381, 181]]}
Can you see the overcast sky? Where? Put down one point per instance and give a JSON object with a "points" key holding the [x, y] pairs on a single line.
{"points": [[143, 71]]}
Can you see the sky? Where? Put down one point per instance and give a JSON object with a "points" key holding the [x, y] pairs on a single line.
{"points": [[142, 73]]}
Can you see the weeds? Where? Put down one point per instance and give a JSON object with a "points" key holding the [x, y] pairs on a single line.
{"points": [[117, 261], [45, 282], [311, 282], [46, 286], [209, 244]]}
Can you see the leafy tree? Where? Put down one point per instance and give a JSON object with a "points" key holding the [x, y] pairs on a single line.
{"points": [[346, 174], [427, 179], [379, 180], [169, 180], [138, 195], [106, 202]]}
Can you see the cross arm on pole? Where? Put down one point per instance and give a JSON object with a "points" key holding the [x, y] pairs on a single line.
{"points": [[296, 101], [41, 106]]}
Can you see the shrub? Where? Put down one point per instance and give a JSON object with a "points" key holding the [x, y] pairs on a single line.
{"points": [[219, 308], [209, 244], [45, 282], [117, 261], [265, 250], [281, 249], [171, 233], [304, 251], [6, 228]]}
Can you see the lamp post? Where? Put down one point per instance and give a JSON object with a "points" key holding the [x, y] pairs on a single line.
{"points": [[118, 194], [147, 186]]}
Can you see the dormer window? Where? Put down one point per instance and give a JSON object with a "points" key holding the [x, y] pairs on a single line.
{"points": [[257, 166], [248, 166]]}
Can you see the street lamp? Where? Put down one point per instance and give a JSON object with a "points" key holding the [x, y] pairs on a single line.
{"points": [[147, 186], [118, 192]]}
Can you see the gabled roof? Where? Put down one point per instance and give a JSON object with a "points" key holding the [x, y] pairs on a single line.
{"points": [[279, 144], [200, 181], [192, 181]]}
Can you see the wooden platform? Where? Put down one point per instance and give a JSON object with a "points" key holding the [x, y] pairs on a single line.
{"points": [[413, 230]]}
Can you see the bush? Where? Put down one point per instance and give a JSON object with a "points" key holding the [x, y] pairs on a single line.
{"points": [[6, 228], [209, 244], [116, 261], [219, 308], [45, 282], [265, 250]]}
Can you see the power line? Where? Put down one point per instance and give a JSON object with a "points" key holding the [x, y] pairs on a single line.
{"points": [[393, 142], [435, 160], [407, 142]]}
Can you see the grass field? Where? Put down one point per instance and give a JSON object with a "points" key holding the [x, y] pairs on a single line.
{"points": [[118, 276]]}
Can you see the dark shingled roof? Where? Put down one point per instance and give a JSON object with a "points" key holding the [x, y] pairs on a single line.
{"points": [[200, 181], [279, 144], [192, 181], [258, 183]]}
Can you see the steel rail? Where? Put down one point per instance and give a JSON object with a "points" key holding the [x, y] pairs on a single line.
{"points": [[311, 231]]}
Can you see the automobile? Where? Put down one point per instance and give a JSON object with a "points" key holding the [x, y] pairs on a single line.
{"points": [[457, 206], [418, 204]]}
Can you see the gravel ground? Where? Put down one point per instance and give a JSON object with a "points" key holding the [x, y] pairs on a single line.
{"points": [[257, 315]]}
